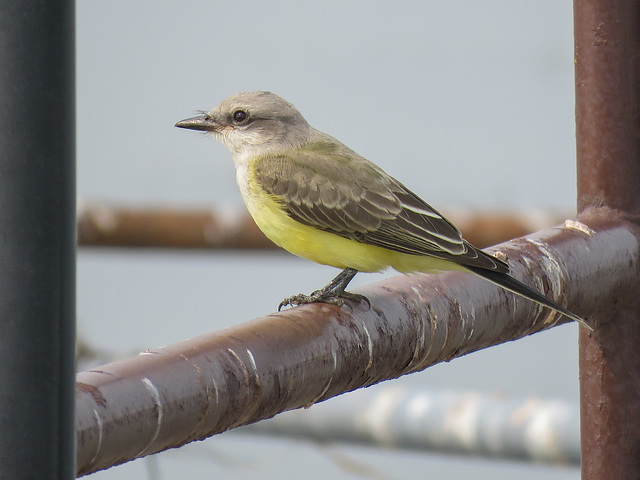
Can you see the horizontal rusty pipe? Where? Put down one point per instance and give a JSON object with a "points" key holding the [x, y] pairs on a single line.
{"points": [[111, 226], [102, 225], [194, 389]]}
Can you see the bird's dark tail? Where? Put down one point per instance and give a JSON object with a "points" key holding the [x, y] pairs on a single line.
{"points": [[507, 282]]}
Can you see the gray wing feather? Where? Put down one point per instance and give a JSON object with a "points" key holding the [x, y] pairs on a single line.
{"points": [[366, 205]]}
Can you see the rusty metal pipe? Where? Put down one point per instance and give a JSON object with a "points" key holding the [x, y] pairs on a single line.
{"points": [[188, 391], [607, 68], [105, 225]]}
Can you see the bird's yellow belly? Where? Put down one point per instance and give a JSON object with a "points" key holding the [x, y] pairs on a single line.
{"points": [[330, 249], [313, 244]]}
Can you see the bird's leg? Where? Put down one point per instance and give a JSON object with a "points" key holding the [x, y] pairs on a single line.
{"points": [[333, 293]]}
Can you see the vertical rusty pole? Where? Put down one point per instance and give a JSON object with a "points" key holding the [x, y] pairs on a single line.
{"points": [[607, 68]]}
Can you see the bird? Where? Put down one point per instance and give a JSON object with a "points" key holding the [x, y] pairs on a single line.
{"points": [[318, 199]]}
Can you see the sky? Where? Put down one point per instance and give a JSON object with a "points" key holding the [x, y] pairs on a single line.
{"points": [[468, 103]]}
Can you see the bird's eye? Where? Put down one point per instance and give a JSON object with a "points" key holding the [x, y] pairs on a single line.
{"points": [[240, 116]]}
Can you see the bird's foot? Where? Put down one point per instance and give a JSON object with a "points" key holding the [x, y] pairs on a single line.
{"points": [[324, 296], [333, 293]]}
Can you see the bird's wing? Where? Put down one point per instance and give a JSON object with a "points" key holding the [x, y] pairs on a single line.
{"points": [[323, 187]]}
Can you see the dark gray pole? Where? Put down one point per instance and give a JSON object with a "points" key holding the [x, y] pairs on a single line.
{"points": [[37, 239]]}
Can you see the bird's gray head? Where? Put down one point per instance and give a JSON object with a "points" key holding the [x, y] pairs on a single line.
{"points": [[253, 123]]}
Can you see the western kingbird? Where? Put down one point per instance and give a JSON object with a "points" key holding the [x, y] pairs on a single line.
{"points": [[318, 199]]}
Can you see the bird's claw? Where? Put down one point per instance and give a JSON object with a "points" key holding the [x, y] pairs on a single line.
{"points": [[320, 296]]}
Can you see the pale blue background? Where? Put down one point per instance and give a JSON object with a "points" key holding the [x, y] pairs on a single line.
{"points": [[469, 103]]}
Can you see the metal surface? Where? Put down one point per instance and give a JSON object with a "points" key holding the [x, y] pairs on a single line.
{"points": [[206, 385], [111, 226], [37, 239], [607, 68], [467, 423], [107, 225], [607, 65]]}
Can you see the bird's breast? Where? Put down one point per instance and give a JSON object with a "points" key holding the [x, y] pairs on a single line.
{"points": [[302, 240]]}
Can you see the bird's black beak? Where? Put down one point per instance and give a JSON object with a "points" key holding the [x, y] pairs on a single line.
{"points": [[201, 122]]}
